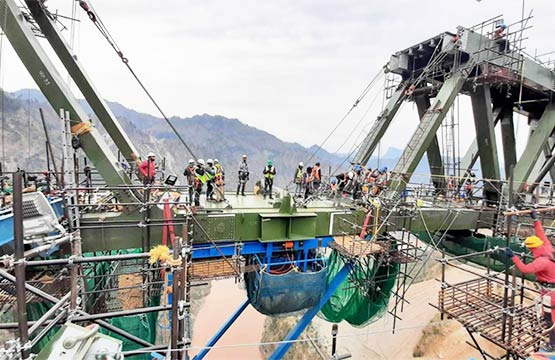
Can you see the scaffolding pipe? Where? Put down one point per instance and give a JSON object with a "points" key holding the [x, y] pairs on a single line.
{"points": [[49, 313], [19, 278], [81, 259], [100, 322]]}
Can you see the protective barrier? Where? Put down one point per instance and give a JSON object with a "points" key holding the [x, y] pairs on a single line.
{"points": [[359, 305], [285, 293]]}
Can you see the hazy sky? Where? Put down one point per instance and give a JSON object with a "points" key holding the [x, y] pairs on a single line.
{"points": [[290, 67]]}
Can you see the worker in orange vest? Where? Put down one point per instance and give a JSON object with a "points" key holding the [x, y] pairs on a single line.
{"points": [[316, 176]]}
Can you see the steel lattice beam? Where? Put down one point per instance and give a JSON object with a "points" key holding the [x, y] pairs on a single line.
{"points": [[55, 90], [380, 125], [77, 73], [433, 153], [426, 131]]}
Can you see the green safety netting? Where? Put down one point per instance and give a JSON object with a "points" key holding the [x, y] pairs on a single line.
{"points": [[142, 325], [464, 242], [359, 305]]}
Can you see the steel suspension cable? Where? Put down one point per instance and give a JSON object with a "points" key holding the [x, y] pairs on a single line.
{"points": [[355, 104], [93, 16]]}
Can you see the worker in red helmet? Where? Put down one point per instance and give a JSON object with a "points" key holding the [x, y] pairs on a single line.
{"points": [[543, 266]]}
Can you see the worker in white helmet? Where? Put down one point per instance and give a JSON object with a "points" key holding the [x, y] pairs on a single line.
{"points": [[189, 174], [298, 179], [148, 169], [243, 175]]}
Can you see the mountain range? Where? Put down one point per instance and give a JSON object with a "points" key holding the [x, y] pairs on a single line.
{"points": [[210, 136]]}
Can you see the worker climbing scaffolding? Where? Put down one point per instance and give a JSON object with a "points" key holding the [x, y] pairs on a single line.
{"points": [[543, 267]]}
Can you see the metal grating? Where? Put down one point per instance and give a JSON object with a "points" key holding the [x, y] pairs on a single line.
{"points": [[30, 209], [476, 306]]}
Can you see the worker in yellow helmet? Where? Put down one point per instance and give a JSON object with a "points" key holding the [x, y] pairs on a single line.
{"points": [[543, 266]]}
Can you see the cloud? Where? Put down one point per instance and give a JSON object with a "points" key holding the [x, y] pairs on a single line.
{"points": [[290, 67]]}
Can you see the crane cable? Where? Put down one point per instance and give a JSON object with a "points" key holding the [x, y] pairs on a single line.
{"points": [[93, 16], [355, 104]]}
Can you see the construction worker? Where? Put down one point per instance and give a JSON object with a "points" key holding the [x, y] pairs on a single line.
{"points": [[219, 180], [344, 180], [468, 190], [357, 181], [499, 37], [201, 178], [269, 173], [317, 176], [543, 266], [211, 173], [307, 181], [333, 187], [148, 169], [189, 174], [298, 179], [243, 175]]}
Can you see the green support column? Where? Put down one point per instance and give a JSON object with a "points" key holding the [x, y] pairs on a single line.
{"points": [[508, 138], [380, 126], [548, 153], [77, 73], [534, 147], [485, 133], [471, 155], [425, 132], [53, 87], [433, 153]]}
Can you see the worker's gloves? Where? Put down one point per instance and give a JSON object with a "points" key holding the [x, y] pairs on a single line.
{"points": [[509, 252], [534, 214]]}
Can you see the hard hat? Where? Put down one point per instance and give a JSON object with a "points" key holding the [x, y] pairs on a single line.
{"points": [[358, 167], [532, 242], [333, 180], [150, 154], [200, 162], [191, 161], [216, 161], [502, 26], [209, 161], [351, 174], [244, 156], [384, 169], [301, 164], [269, 162]]}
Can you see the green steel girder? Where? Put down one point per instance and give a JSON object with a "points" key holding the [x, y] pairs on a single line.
{"points": [[99, 235], [77, 73], [508, 138], [53, 87], [380, 126], [426, 131], [533, 149], [433, 153], [485, 132]]}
